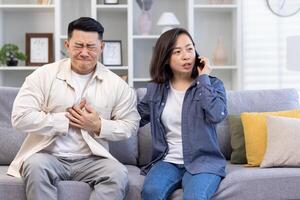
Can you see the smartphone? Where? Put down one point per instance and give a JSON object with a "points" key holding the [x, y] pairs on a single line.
{"points": [[197, 64]]}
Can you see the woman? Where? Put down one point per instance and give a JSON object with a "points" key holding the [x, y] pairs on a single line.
{"points": [[183, 104]]}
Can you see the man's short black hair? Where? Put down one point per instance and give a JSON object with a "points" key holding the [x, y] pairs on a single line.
{"points": [[86, 24]]}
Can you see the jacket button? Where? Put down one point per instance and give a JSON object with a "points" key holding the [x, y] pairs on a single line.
{"points": [[222, 113], [162, 104]]}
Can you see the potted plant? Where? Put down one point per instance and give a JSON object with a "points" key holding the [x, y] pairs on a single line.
{"points": [[10, 54]]}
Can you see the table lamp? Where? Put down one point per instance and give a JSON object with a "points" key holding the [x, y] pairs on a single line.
{"points": [[168, 21]]}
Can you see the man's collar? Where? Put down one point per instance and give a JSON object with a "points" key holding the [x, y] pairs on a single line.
{"points": [[100, 71], [64, 72]]}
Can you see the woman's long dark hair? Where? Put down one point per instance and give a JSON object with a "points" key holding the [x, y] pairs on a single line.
{"points": [[160, 70]]}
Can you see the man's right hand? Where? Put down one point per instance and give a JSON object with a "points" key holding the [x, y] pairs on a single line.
{"points": [[79, 107], [85, 117]]}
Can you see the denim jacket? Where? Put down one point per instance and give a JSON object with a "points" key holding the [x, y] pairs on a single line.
{"points": [[204, 106]]}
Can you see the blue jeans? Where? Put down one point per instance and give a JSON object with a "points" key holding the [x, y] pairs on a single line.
{"points": [[164, 178]]}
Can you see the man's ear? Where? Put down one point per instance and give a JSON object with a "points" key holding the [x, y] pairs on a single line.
{"points": [[67, 44], [102, 45]]}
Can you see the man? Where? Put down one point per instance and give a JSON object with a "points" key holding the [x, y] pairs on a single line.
{"points": [[65, 106]]}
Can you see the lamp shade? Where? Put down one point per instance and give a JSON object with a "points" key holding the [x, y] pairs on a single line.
{"points": [[168, 20], [293, 53]]}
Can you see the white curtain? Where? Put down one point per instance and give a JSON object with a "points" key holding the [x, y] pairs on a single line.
{"points": [[264, 47]]}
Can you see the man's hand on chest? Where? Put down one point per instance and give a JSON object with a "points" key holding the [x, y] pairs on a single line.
{"points": [[84, 116]]}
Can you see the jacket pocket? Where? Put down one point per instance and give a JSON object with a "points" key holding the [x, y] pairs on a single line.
{"points": [[196, 106]]}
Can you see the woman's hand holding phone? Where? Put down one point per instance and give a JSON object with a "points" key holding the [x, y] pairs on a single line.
{"points": [[206, 66]]}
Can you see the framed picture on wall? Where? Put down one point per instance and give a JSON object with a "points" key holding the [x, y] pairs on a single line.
{"points": [[112, 53], [39, 48]]}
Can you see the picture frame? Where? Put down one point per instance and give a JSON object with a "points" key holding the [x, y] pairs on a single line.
{"points": [[112, 53], [39, 48], [111, 1]]}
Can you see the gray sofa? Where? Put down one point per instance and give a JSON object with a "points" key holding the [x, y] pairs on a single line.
{"points": [[241, 183]]}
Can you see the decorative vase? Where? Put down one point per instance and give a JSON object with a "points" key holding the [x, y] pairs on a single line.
{"points": [[219, 56], [144, 22], [43, 2]]}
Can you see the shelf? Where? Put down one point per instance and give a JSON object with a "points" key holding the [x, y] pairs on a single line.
{"points": [[63, 37], [17, 68], [145, 36], [216, 67], [141, 79], [216, 8], [117, 67], [118, 7], [25, 7]]}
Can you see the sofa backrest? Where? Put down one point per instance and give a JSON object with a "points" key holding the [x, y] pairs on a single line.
{"points": [[125, 151], [10, 139], [237, 102], [254, 101], [137, 149]]}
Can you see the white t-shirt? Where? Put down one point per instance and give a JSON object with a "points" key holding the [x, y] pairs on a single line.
{"points": [[171, 119], [73, 145]]}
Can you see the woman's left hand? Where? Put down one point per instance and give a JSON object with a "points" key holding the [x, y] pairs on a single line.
{"points": [[207, 67]]}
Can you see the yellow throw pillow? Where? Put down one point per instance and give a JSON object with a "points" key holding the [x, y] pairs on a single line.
{"points": [[255, 132]]}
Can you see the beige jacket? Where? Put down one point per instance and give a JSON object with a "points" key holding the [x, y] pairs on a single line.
{"points": [[39, 109]]}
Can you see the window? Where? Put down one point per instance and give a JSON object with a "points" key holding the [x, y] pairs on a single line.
{"points": [[264, 47]]}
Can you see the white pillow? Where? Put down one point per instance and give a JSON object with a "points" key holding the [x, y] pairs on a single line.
{"points": [[283, 142]]}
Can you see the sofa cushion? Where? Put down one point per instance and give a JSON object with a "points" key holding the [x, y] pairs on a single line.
{"points": [[283, 142], [126, 151], [255, 132], [254, 101], [238, 154], [145, 145], [10, 139], [248, 183], [135, 183], [12, 188]]}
